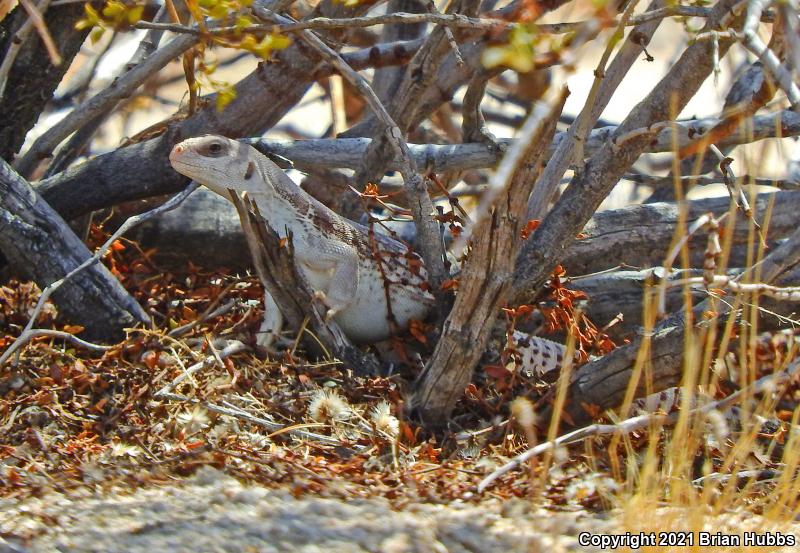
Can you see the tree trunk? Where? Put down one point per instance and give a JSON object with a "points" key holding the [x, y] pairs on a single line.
{"points": [[33, 77]]}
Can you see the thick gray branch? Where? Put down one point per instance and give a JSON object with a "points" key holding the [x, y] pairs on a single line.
{"points": [[441, 158], [639, 236], [39, 244]]}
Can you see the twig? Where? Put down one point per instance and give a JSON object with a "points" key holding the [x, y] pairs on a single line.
{"points": [[751, 41], [39, 332], [788, 293], [703, 180], [736, 192], [101, 102], [455, 21], [232, 348], [632, 424], [448, 33], [210, 313], [35, 15], [27, 332], [15, 45]]}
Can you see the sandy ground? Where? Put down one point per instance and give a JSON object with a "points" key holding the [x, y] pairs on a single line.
{"points": [[213, 512]]}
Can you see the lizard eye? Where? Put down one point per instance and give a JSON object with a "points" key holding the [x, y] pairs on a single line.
{"points": [[213, 149]]}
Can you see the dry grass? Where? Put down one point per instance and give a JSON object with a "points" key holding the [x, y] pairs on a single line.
{"points": [[151, 410]]}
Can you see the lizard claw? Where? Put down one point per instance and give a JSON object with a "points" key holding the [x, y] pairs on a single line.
{"points": [[319, 295]]}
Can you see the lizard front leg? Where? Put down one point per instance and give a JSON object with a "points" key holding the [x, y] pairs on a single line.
{"points": [[333, 275], [272, 324]]}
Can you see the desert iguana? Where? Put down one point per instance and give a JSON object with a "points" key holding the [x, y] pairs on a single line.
{"points": [[351, 269]]}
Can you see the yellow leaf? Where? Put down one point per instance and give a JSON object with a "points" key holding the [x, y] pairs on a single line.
{"points": [[96, 34], [135, 14], [114, 10], [279, 42], [225, 96], [91, 19], [248, 42], [219, 11], [243, 22]]}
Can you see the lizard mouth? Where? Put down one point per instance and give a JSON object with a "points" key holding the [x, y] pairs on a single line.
{"points": [[174, 155], [180, 163]]}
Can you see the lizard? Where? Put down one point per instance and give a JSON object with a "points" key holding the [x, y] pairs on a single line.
{"points": [[371, 284], [352, 270]]}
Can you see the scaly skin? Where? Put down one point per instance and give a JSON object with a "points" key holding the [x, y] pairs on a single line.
{"points": [[339, 258]]}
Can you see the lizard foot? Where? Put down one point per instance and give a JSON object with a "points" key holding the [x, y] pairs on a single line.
{"points": [[319, 295]]}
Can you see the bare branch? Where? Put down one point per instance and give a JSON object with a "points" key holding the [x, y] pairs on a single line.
{"points": [[543, 251], [102, 101], [35, 15], [571, 148], [16, 45], [750, 40], [442, 158]]}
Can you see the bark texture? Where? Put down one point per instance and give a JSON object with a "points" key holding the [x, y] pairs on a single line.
{"points": [[33, 78], [39, 243]]}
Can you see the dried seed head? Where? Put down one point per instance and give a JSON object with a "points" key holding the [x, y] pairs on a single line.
{"points": [[522, 410], [383, 419], [193, 421], [328, 406]]}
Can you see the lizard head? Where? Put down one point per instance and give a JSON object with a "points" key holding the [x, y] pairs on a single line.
{"points": [[217, 162]]}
